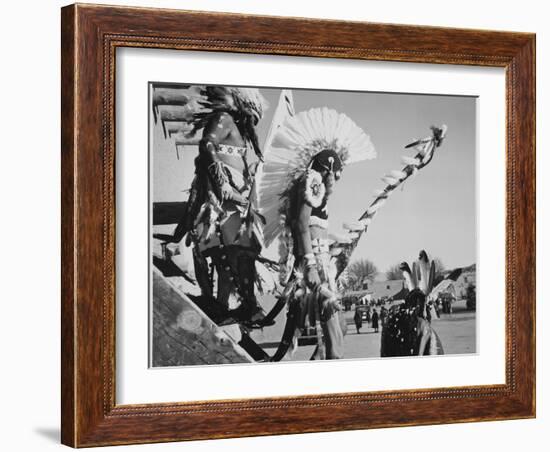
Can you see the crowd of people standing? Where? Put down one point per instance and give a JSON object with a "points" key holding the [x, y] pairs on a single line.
{"points": [[373, 317]]}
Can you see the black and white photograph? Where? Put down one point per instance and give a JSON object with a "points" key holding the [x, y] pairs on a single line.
{"points": [[295, 224], [275, 226]]}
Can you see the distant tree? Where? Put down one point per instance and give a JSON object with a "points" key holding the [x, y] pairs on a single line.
{"points": [[359, 272], [394, 272], [439, 270]]}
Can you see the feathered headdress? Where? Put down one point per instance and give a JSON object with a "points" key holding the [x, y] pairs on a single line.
{"points": [[251, 100], [422, 277], [230, 99], [422, 274], [190, 108], [295, 143]]}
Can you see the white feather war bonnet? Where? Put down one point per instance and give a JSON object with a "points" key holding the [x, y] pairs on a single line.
{"points": [[295, 143]]}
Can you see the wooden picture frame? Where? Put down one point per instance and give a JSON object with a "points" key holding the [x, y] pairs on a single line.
{"points": [[90, 36]]}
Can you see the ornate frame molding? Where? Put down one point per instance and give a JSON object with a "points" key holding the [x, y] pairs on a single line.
{"points": [[90, 37]]}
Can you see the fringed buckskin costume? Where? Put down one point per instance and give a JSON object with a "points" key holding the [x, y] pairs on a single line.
{"points": [[307, 156], [219, 219]]}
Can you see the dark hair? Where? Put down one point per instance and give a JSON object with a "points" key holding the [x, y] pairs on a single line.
{"points": [[326, 160]]}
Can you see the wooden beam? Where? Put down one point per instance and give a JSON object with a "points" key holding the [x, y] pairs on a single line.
{"points": [[170, 86], [175, 113], [173, 127], [180, 139], [171, 97], [174, 97]]}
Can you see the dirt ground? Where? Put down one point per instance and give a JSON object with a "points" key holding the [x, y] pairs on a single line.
{"points": [[457, 332]]}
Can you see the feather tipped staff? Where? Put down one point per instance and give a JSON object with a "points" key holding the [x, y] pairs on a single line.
{"points": [[426, 149]]}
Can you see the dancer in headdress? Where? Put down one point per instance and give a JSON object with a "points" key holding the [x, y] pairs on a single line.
{"points": [[409, 330], [306, 158], [288, 162], [219, 219]]}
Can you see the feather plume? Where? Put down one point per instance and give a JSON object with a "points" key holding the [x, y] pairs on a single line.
{"points": [[187, 109], [390, 180], [410, 160], [414, 275], [354, 226], [424, 269], [404, 267], [374, 207], [398, 174], [365, 222]]}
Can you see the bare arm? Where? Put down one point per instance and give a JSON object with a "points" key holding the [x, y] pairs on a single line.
{"points": [[214, 133], [302, 229], [303, 237]]}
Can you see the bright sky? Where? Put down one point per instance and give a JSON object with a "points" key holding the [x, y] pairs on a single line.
{"points": [[434, 211]]}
